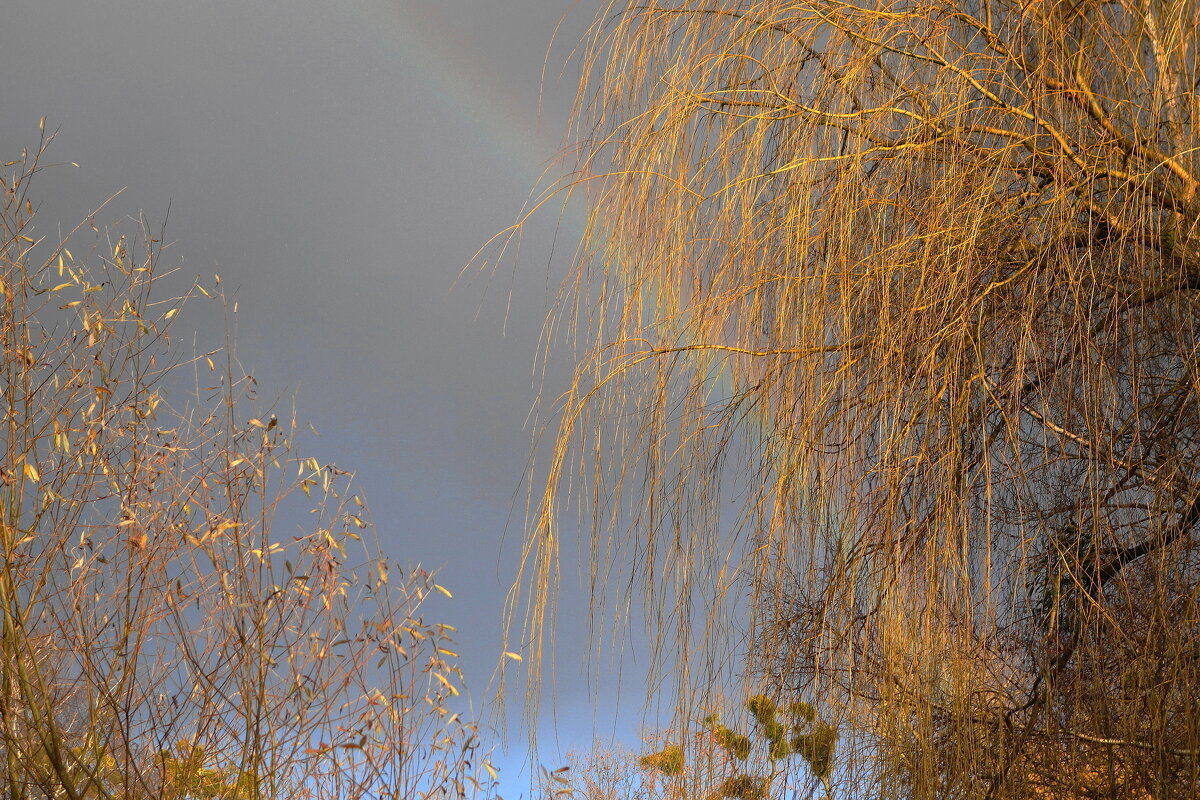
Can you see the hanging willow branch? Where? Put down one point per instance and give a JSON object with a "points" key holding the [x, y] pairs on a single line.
{"points": [[911, 287]]}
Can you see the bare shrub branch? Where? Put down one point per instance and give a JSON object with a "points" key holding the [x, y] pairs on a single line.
{"points": [[161, 636]]}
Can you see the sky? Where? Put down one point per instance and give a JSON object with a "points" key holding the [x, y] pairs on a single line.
{"points": [[339, 164]]}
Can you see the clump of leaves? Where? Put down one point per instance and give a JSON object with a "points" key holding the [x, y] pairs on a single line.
{"points": [[762, 707], [796, 731], [817, 748], [189, 773], [743, 787], [764, 711], [802, 710], [736, 744], [669, 760]]}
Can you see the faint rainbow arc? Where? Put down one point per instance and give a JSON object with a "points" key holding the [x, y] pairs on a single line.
{"points": [[466, 88]]}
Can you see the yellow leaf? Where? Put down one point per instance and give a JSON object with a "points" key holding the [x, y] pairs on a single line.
{"points": [[491, 771], [514, 656], [170, 313], [447, 683], [443, 590], [32, 473]]}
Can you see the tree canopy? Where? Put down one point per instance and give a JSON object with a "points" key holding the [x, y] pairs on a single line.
{"points": [[886, 321]]}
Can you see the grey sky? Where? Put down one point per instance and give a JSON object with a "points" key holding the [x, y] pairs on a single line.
{"points": [[337, 164]]}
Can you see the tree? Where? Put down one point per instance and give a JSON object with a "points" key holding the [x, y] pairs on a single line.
{"points": [[159, 638], [888, 375]]}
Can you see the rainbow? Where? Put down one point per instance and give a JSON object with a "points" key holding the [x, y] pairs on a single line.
{"points": [[445, 63]]}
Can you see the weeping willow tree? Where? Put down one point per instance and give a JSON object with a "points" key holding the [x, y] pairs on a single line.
{"points": [[886, 321]]}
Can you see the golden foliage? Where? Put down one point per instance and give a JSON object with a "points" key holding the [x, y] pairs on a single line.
{"points": [[668, 761], [913, 286], [158, 636]]}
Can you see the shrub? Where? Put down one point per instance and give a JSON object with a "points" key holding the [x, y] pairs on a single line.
{"points": [[160, 638]]}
